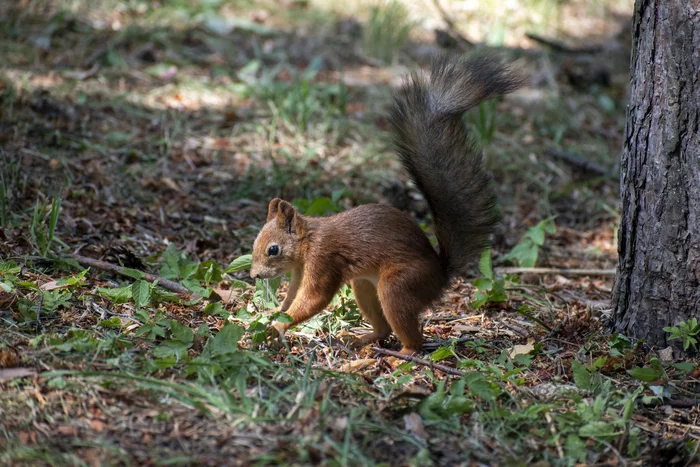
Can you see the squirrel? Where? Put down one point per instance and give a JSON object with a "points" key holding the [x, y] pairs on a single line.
{"points": [[394, 271]]}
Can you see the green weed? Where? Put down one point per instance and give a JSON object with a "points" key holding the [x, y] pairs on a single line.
{"points": [[386, 31], [526, 251], [300, 100], [483, 121], [687, 332], [320, 206], [489, 288], [43, 225]]}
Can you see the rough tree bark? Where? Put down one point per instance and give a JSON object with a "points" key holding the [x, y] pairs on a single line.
{"points": [[658, 276]]}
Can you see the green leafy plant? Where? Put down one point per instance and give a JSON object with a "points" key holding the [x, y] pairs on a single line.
{"points": [[526, 251], [655, 371], [686, 331], [241, 263], [43, 225], [299, 100], [386, 31], [320, 206], [483, 121], [9, 275], [489, 288]]}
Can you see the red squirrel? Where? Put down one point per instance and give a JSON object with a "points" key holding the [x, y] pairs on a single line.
{"points": [[394, 271]]}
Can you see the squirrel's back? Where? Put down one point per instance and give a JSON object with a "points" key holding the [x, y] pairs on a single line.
{"points": [[440, 155]]}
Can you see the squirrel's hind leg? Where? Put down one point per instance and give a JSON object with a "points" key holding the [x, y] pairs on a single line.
{"points": [[368, 302], [398, 293]]}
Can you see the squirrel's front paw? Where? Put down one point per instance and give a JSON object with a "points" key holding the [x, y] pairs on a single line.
{"points": [[275, 335]]}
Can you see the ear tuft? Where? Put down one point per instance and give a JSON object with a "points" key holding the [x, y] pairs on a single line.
{"points": [[288, 218], [286, 215], [272, 209]]}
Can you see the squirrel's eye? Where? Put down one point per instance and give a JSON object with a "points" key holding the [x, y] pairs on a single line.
{"points": [[274, 250]]}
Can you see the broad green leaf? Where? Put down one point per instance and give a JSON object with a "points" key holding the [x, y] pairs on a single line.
{"points": [[647, 375], [441, 353], [240, 264], [213, 308], [181, 333], [685, 367], [171, 264], [479, 300], [582, 377], [141, 292], [133, 273], [28, 285], [226, 340], [498, 291], [236, 284], [282, 318], [117, 295], [171, 348], [483, 284], [576, 447], [536, 234], [524, 253], [602, 430], [6, 287], [485, 266], [72, 280], [478, 385]]}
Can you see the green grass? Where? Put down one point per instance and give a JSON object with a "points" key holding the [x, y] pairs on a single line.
{"points": [[386, 31]]}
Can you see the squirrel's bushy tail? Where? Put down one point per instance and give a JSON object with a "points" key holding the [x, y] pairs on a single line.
{"points": [[442, 158]]}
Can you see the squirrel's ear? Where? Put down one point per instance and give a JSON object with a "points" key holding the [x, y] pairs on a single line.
{"points": [[287, 218], [272, 209]]}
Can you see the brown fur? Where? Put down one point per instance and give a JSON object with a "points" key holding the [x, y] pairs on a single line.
{"points": [[394, 271], [366, 244]]}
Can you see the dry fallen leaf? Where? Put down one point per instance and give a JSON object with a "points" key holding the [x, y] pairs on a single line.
{"points": [[463, 328], [520, 350], [97, 425], [27, 437], [52, 285], [414, 424], [666, 355], [357, 365], [228, 296], [8, 358], [6, 374]]}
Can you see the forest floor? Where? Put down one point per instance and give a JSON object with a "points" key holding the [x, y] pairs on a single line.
{"points": [[151, 137]]}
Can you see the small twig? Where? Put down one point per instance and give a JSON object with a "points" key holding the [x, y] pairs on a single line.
{"points": [[442, 342], [420, 361], [561, 272], [679, 403], [105, 311], [553, 430], [561, 47], [580, 163], [105, 266]]}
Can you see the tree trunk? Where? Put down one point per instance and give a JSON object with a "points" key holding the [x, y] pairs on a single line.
{"points": [[658, 276]]}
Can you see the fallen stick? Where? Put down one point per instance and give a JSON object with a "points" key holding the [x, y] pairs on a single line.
{"points": [[580, 163], [105, 266], [561, 47], [561, 272], [420, 361]]}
